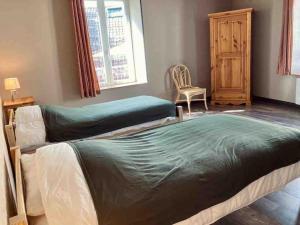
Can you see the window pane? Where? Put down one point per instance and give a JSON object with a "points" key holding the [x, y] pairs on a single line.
{"points": [[296, 44], [95, 39], [119, 36]]}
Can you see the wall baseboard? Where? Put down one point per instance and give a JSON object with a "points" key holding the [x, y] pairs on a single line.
{"points": [[274, 101]]}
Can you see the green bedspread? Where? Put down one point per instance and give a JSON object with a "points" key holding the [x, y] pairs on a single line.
{"points": [[169, 174], [64, 124]]}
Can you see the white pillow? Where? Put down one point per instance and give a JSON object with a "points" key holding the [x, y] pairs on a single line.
{"points": [[30, 127], [33, 198]]}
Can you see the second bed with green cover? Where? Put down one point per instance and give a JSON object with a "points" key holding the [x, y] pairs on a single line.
{"points": [[63, 124], [166, 175]]}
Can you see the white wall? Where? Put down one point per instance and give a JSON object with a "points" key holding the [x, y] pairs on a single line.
{"points": [[298, 92], [266, 42], [37, 45]]}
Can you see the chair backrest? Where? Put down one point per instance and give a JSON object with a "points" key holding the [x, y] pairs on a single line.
{"points": [[181, 77]]}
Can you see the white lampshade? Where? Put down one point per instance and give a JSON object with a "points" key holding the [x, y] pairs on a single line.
{"points": [[11, 84]]}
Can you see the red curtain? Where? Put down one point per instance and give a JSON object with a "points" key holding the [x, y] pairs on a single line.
{"points": [[89, 85], [286, 46]]}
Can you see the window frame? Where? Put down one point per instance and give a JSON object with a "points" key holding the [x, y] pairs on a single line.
{"points": [[133, 71]]}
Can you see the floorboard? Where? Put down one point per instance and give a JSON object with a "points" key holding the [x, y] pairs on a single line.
{"points": [[279, 208]]}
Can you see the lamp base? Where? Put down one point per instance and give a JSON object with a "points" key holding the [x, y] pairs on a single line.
{"points": [[13, 95]]}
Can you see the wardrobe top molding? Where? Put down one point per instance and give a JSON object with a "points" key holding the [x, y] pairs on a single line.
{"points": [[227, 13]]}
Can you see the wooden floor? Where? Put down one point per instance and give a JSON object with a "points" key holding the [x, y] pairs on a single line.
{"points": [[280, 208]]}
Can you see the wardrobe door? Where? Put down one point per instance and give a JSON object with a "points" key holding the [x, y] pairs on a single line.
{"points": [[231, 39], [230, 80]]}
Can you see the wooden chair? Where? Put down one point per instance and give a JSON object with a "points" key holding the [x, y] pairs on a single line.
{"points": [[182, 79]]}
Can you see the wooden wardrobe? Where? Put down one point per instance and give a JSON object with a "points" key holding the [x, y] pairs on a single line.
{"points": [[230, 40]]}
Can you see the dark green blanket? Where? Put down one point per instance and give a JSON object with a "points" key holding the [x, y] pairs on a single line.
{"points": [[63, 124], [166, 175]]}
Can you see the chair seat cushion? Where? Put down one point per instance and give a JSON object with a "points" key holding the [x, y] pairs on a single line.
{"points": [[192, 90]]}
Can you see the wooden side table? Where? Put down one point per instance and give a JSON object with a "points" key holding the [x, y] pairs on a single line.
{"points": [[19, 102]]}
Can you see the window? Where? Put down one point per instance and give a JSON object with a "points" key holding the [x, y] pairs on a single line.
{"points": [[112, 39], [296, 41]]}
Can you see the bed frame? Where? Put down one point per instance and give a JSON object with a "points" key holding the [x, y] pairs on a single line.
{"points": [[9, 129], [21, 218], [11, 136], [7, 179]]}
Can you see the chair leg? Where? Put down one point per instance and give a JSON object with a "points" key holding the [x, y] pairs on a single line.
{"points": [[205, 101], [189, 105], [177, 98]]}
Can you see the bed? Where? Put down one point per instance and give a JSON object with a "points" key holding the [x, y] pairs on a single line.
{"points": [[39, 125], [195, 172]]}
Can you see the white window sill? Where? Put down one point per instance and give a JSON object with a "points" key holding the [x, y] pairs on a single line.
{"points": [[121, 85]]}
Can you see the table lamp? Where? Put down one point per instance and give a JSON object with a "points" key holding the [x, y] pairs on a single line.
{"points": [[12, 84]]}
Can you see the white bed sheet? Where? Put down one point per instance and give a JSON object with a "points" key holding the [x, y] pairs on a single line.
{"points": [[137, 128], [67, 200]]}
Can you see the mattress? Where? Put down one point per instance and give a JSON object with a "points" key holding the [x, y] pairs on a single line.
{"points": [[57, 162], [135, 178]]}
